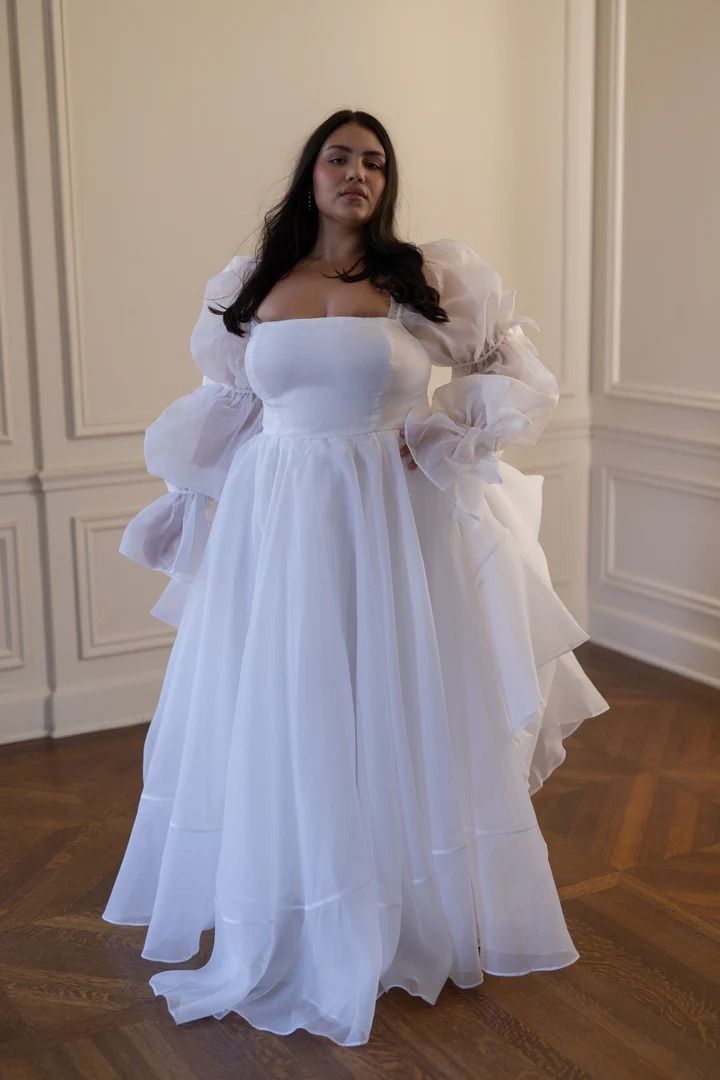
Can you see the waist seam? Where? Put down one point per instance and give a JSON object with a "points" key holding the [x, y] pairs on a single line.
{"points": [[328, 434]]}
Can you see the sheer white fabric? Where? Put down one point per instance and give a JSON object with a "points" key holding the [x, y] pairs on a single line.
{"points": [[191, 446], [499, 393], [371, 674]]}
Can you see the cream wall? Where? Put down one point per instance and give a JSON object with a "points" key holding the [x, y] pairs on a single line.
{"points": [[655, 509], [142, 144]]}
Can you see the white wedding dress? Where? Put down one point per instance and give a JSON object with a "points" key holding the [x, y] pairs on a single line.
{"points": [[371, 673]]}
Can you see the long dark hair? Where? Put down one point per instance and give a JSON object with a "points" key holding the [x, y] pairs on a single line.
{"points": [[290, 230]]}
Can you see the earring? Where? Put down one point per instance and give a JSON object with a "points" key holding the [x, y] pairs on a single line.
{"points": [[309, 199]]}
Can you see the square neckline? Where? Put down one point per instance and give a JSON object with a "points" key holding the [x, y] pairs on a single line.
{"points": [[392, 314]]}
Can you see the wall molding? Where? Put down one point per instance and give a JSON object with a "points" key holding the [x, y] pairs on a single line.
{"points": [[86, 528], [576, 192], [657, 441], [611, 574], [675, 649], [614, 385], [9, 123], [561, 471], [6, 433], [12, 649], [84, 424]]}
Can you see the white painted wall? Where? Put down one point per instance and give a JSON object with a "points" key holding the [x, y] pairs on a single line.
{"points": [[654, 583]]}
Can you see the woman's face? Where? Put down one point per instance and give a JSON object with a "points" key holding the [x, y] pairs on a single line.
{"points": [[351, 157]]}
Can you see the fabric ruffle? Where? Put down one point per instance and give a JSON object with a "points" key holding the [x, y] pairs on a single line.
{"points": [[500, 394], [548, 695], [570, 699], [531, 633], [190, 446], [170, 534], [456, 439], [171, 603], [192, 443]]}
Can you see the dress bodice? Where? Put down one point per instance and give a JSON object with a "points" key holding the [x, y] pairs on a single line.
{"points": [[340, 374]]}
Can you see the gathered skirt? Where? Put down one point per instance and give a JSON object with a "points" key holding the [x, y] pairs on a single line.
{"points": [[366, 687]]}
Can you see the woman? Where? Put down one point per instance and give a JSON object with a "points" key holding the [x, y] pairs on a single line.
{"points": [[372, 672]]}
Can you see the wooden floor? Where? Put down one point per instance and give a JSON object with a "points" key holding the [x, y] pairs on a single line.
{"points": [[632, 821]]}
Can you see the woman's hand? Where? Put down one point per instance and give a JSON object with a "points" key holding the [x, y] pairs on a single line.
{"points": [[405, 450]]}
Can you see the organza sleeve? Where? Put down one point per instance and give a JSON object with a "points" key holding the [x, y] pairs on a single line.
{"points": [[499, 393], [192, 443]]}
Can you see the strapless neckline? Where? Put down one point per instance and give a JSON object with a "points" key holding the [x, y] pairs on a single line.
{"points": [[324, 318], [392, 316]]}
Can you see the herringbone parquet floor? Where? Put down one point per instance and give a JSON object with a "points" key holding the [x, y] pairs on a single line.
{"points": [[632, 820]]}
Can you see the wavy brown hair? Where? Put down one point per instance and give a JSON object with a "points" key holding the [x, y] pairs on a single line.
{"points": [[290, 230]]}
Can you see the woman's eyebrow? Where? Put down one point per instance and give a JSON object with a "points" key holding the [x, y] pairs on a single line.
{"points": [[348, 149]]}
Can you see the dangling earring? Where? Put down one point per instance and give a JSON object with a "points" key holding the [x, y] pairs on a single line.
{"points": [[309, 199]]}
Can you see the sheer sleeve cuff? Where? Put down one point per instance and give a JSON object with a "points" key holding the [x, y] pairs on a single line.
{"points": [[191, 447], [192, 443], [170, 533], [456, 440]]}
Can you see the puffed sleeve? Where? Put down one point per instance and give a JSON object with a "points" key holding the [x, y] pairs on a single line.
{"points": [[499, 393], [192, 443]]}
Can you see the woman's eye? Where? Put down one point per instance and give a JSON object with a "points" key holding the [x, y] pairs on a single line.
{"points": [[375, 163]]}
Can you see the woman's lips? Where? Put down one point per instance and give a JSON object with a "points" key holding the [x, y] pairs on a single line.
{"points": [[352, 195]]}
